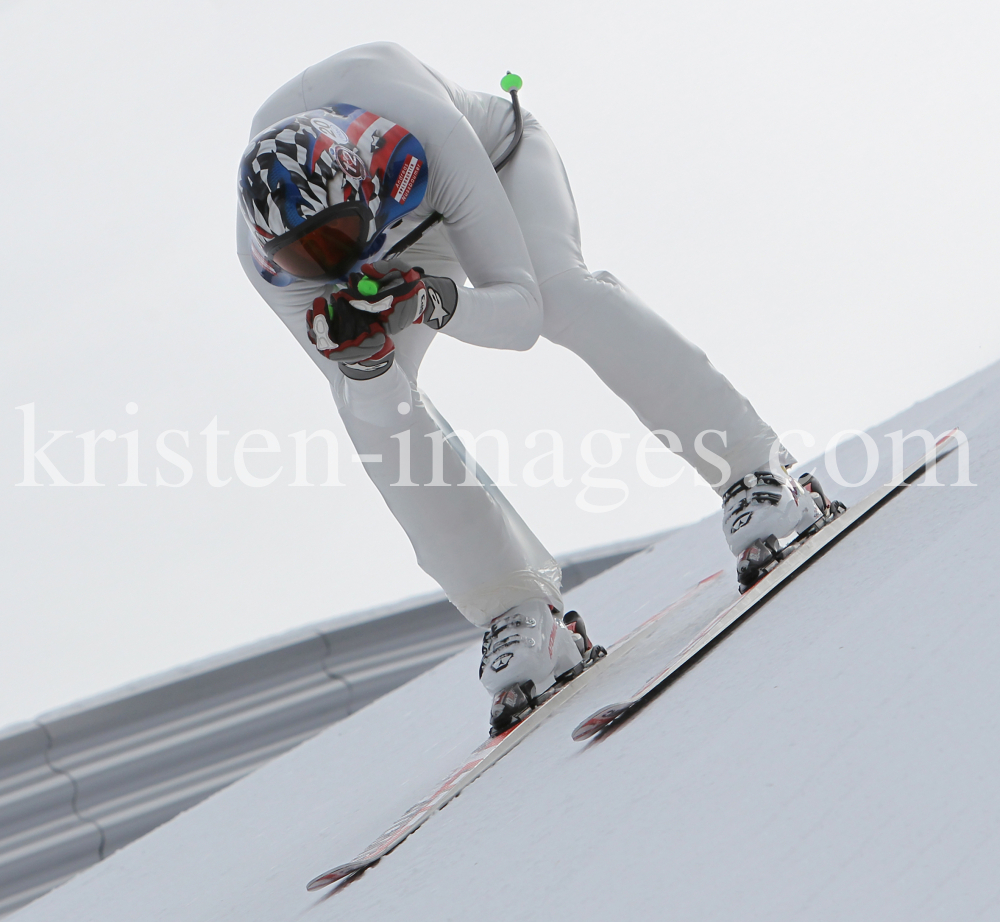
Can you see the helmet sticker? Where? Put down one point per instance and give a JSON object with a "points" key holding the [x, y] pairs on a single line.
{"points": [[328, 129], [351, 163], [407, 177]]}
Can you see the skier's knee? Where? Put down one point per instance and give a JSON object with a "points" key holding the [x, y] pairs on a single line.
{"points": [[383, 401], [603, 275], [572, 296]]}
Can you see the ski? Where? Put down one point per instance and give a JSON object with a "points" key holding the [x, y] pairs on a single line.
{"points": [[795, 557], [492, 750]]}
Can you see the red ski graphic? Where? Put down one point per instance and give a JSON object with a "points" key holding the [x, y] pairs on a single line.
{"points": [[489, 753]]}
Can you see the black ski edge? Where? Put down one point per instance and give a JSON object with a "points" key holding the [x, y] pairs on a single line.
{"points": [[635, 707]]}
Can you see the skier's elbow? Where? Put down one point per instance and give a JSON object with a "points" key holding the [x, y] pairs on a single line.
{"points": [[525, 333], [524, 338], [507, 316]]}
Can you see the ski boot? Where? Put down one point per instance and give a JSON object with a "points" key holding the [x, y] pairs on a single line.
{"points": [[528, 654], [765, 507]]}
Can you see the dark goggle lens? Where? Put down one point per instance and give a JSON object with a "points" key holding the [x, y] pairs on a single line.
{"points": [[326, 252]]}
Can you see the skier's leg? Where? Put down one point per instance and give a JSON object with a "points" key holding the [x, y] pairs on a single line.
{"points": [[468, 537], [463, 530], [665, 379]]}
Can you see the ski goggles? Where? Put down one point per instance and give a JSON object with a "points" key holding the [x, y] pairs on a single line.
{"points": [[324, 246]]}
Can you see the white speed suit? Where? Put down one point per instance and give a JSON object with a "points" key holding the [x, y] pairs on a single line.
{"points": [[516, 237]]}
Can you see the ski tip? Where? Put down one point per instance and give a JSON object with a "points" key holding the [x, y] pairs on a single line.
{"points": [[711, 578], [318, 883], [948, 441], [598, 721], [337, 874], [585, 731]]}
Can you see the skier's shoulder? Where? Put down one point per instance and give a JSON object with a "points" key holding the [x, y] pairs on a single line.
{"points": [[384, 78], [377, 76], [282, 103], [371, 62], [381, 54]]}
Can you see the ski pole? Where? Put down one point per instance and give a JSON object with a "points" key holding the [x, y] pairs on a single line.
{"points": [[510, 83]]}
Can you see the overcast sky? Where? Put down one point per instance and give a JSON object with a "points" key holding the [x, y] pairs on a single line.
{"points": [[809, 193]]}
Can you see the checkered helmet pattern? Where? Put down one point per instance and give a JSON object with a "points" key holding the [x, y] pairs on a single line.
{"points": [[298, 168], [337, 159]]}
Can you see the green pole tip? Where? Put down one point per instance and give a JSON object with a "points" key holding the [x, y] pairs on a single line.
{"points": [[367, 287], [511, 83]]}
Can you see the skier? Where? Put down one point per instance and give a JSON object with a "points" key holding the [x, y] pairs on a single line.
{"points": [[347, 163]]}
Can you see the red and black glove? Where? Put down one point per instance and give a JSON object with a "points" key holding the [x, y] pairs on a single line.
{"points": [[404, 296], [354, 328], [343, 333]]}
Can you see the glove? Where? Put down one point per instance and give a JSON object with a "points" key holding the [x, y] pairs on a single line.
{"points": [[343, 333], [354, 328], [403, 296]]}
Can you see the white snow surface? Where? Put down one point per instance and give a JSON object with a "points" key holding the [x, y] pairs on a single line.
{"points": [[833, 758]]}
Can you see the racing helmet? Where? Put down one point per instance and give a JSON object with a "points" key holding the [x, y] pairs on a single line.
{"points": [[317, 190]]}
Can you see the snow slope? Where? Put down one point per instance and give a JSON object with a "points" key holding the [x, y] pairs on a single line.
{"points": [[833, 758]]}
